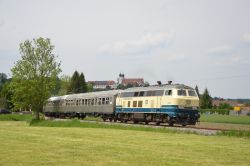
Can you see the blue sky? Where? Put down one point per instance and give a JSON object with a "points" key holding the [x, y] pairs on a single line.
{"points": [[195, 42]]}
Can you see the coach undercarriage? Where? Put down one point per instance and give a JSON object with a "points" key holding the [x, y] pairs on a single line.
{"points": [[128, 117]]}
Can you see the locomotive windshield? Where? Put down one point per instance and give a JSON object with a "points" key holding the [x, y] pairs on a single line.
{"points": [[182, 92], [191, 93]]}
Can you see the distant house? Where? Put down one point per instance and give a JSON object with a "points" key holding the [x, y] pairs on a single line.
{"points": [[103, 84], [130, 81], [217, 102]]}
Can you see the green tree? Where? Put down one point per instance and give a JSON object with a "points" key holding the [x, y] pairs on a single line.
{"points": [[77, 83], [90, 87], [206, 100], [83, 86], [197, 90], [64, 85], [35, 75], [6, 95]]}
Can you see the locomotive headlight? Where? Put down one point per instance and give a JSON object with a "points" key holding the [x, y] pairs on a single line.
{"points": [[195, 108], [180, 107]]}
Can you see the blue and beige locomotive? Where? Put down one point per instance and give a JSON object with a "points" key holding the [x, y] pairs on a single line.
{"points": [[171, 103]]}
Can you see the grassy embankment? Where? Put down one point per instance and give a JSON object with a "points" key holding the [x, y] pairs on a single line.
{"points": [[24, 145], [225, 119], [235, 130], [16, 117]]}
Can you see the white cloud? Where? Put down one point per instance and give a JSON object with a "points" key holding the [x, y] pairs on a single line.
{"points": [[246, 38], [221, 50], [146, 43]]}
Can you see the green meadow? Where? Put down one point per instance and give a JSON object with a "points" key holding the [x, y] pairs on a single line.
{"points": [[232, 119], [22, 144]]}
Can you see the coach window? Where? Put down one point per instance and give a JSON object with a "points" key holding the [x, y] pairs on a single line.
{"points": [[181, 92], [139, 103], [96, 101], [107, 100], [146, 101], [103, 100], [168, 93], [128, 103], [134, 103], [89, 101]]}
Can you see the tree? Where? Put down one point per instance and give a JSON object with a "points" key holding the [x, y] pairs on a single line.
{"points": [[206, 100], [34, 75], [83, 86], [64, 85], [77, 83], [197, 90], [90, 87]]}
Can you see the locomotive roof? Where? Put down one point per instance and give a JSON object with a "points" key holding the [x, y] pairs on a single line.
{"points": [[159, 87]]}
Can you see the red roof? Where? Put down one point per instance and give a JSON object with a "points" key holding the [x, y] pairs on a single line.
{"points": [[132, 81], [109, 82]]}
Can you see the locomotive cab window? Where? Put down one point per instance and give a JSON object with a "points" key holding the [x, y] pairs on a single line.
{"points": [[182, 92], [191, 93], [168, 93]]}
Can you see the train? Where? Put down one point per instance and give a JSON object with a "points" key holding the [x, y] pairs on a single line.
{"points": [[170, 103]]}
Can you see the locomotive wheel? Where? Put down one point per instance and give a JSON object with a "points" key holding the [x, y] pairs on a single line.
{"points": [[135, 121], [171, 123]]}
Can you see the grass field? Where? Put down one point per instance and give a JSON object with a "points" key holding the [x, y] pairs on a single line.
{"points": [[225, 119], [24, 145], [16, 117]]}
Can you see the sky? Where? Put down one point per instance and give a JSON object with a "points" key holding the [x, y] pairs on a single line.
{"points": [[193, 42]]}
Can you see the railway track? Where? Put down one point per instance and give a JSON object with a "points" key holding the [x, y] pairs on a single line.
{"points": [[192, 129]]}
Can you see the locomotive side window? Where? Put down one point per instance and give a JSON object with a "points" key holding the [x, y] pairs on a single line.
{"points": [[128, 103], [182, 92], [159, 93], [139, 103], [134, 103], [191, 93], [127, 94], [168, 93], [136, 94], [141, 93]]}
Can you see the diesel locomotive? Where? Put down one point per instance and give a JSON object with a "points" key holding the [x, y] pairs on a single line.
{"points": [[171, 103]]}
